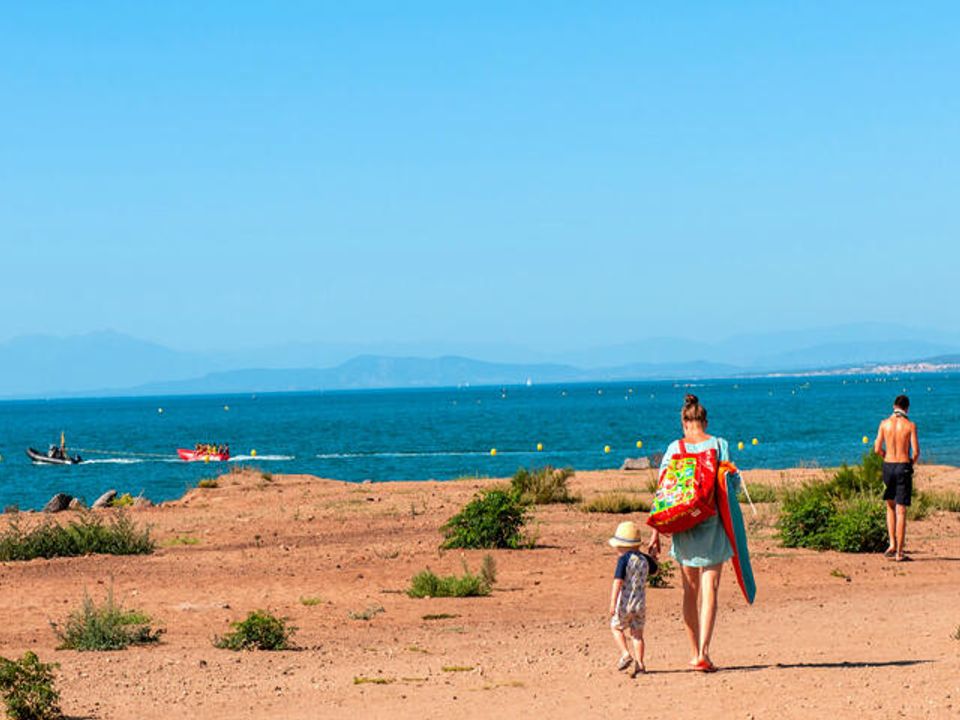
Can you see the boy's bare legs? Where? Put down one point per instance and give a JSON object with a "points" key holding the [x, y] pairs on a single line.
{"points": [[892, 526], [636, 640], [709, 590], [901, 514], [691, 612], [621, 641]]}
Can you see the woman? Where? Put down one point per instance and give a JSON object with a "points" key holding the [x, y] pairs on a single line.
{"points": [[701, 550]]}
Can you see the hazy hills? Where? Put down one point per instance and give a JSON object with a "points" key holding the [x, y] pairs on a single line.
{"points": [[110, 363]]}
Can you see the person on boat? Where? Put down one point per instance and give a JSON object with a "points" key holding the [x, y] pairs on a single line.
{"points": [[898, 445], [702, 550]]}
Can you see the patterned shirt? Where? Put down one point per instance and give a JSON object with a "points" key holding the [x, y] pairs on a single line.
{"points": [[633, 568]]}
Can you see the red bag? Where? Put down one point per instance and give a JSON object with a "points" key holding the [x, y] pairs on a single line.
{"points": [[686, 492]]}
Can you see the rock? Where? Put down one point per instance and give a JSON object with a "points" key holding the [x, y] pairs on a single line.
{"points": [[640, 463], [142, 502], [76, 504], [58, 503], [104, 500]]}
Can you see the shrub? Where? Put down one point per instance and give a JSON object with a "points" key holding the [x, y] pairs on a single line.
{"points": [[865, 478], [259, 631], [616, 502], [120, 501], [805, 517], [369, 614], [85, 535], [428, 584], [859, 525], [949, 501], [543, 486], [208, 484], [493, 519], [108, 627], [663, 575], [27, 688]]}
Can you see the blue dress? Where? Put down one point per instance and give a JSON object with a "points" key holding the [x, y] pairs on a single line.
{"points": [[704, 544]]}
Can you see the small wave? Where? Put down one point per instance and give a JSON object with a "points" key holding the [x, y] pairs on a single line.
{"points": [[265, 458], [113, 461], [466, 453]]}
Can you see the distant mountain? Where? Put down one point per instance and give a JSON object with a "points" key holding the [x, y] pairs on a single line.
{"points": [[109, 363]]}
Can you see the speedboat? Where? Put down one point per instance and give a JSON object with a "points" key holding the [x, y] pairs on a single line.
{"points": [[52, 459]]}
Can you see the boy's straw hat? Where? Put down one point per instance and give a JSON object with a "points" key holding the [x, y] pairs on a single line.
{"points": [[627, 535]]}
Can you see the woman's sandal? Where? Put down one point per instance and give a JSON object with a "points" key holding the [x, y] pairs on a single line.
{"points": [[637, 670], [705, 666]]}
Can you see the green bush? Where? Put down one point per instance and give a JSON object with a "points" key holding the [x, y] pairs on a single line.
{"points": [[428, 584], [259, 631], [616, 502], [107, 627], [85, 535], [663, 575], [844, 514], [543, 486], [493, 519], [759, 494], [27, 688]]}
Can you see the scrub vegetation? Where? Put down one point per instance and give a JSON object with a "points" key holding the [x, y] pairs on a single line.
{"points": [[86, 535], [543, 486], [427, 584], [27, 688], [105, 627]]}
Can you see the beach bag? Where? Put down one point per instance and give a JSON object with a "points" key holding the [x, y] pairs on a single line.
{"points": [[686, 492]]}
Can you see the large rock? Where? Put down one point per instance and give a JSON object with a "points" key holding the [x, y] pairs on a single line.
{"points": [[104, 500], [58, 503], [76, 504], [640, 463]]}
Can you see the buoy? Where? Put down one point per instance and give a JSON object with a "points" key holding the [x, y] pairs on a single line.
{"points": [[539, 447], [160, 411], [206, 458], [754, 442], [865, 439], [493, 451], [639, 444], [606, 448], [253, 453], [740, 445], [226, 408]]}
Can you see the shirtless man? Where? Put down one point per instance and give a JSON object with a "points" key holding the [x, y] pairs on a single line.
{"points": [[898, 445]]}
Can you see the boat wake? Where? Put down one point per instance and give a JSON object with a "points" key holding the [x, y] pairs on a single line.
{"points": [[263, 458]]}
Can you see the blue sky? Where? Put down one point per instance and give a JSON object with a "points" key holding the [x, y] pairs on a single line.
{"points": [[225, 174]]}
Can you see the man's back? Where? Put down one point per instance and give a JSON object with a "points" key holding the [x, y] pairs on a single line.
{"points": [[897, 434]]}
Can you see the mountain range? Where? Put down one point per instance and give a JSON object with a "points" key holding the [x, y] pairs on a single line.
{"points": [[110, 363]]}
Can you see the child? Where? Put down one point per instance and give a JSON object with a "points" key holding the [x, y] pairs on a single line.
{"points": [[628, 599]]}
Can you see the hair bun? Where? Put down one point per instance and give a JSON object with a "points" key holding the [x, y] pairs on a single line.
{"points": [[691, 400]]}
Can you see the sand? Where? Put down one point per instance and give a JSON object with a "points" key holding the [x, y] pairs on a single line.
{"points": [[846, 635]]}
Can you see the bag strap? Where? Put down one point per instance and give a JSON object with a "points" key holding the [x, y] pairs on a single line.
{"points": [[683, 447]]}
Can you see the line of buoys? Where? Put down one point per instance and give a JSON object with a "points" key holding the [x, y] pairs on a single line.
{"points": [[606, 448], [539, 447]]}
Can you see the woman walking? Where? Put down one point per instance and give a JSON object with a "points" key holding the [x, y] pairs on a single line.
{"points": [[701, 550]]}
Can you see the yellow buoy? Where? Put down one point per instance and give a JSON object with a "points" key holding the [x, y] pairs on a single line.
{"points": [[639, 444], [493, 451], [754, 442], [206, 458], [253, 453], [539, 447], [606, 448], [740, 445], [865, 439]]}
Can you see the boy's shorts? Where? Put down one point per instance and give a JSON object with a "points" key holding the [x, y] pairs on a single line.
{"points": [[898, 482], [629, 620]]}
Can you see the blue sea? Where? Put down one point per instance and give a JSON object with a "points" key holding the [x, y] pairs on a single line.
{"points": [[129, 444]]}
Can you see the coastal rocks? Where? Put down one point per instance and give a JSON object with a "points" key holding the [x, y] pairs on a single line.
{"points": [[640, 463], [76, 504], [142, 502], [105, 500], [58, 503]]}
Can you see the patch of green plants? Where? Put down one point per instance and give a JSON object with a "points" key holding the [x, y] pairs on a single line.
{"points": [[844, 514], [759, 493], [27, 688], [457, 668], [439, 616], [368, 614], [493, 519], [429, 584], [258, 631], [105, 627], [362, 680], [311, 601], [181, 540], [85, 535], [663, 576], [122, 501], [543, 486], [920, 508], [208, 483], [266, 477], [937, 500], [616, 502]]}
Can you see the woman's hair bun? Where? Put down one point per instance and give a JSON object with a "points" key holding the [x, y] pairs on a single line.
{"points": [[691, 399]]}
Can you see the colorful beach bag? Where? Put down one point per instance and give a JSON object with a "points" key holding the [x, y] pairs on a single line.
{"points": [[686, 492]]}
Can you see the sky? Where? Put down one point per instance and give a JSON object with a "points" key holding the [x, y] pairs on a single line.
{"points": [[230, 174]]}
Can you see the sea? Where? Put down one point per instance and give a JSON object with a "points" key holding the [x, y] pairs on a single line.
{"points": [[129, 444]]}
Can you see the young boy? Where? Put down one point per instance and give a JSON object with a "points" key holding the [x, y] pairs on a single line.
{"points": [[628, 598]]}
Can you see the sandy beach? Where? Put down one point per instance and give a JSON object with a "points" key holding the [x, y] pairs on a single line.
{"points": [[854, 635]]}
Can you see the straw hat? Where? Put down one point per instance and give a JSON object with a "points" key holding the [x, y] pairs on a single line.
{"points": [[627, 535]]}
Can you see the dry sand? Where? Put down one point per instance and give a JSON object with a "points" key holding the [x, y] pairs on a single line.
{"points": [[849, 635]]}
